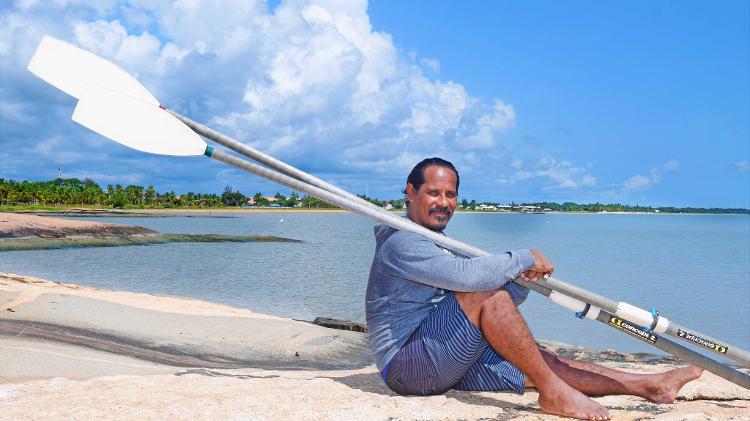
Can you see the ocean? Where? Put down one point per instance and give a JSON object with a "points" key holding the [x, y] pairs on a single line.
{"points": [[693, 269]]}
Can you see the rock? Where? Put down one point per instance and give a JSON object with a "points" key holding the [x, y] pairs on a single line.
{"points": [[340, 324]]}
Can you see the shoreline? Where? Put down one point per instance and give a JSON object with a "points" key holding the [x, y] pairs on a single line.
{"points": [[227, 212], [158, 356]]}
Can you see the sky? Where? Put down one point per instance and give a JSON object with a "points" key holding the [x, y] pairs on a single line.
{"points": [[642, 102]]}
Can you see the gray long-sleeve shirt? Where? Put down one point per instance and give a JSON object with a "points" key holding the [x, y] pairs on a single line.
{"points": [[410, 275]]}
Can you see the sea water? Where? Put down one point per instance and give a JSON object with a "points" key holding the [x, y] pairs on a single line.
{"points": [[693, 269]]}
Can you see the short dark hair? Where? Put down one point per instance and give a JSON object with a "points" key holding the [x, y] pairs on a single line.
{"points": [[416, 176]]}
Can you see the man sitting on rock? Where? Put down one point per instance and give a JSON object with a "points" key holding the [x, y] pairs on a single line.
{"points": [[439, 320]]}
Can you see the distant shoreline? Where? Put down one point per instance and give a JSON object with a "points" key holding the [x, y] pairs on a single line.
{"points": [[227, 211]]}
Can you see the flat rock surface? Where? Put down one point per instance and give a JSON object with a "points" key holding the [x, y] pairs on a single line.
{"points": [[68, 351], [13, 225]]}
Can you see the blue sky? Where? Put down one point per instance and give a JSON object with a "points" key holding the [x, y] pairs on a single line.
{"points": [[638, 102]]}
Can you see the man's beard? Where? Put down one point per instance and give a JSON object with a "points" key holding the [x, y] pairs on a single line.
{"points": [[441, 219]]}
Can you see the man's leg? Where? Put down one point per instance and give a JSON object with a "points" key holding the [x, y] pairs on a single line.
{"points": [[595, 380], [494, 313]]}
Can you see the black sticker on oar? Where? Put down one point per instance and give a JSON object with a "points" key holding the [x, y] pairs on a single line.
{"points": [[713, 346], [632, 329]]}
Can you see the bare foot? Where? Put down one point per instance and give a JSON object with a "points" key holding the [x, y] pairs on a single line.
{"points": [[664, 387], [561, 399]]}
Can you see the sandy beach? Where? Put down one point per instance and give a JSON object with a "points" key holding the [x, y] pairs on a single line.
{"points": [[71, 351]]}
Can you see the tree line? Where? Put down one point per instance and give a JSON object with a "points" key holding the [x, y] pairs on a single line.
{"points": [[76, 192]]}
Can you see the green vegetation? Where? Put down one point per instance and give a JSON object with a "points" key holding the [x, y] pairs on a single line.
{"points": [[67, 192]]}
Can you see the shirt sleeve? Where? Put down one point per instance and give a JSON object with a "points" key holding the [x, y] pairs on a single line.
{"points": [[416, 258]]}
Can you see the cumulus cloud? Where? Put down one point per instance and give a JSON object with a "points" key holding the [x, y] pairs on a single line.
{"points": [[556, 175], [431, 64], [742, 166], [640, 182], [309, 81]]}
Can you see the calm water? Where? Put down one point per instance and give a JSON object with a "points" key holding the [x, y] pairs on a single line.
{"points": [[693, 268]]}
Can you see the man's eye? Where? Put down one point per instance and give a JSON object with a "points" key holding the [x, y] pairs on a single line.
{"points": [[433, 193]]}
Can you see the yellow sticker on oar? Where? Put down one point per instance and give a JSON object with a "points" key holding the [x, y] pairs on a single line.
{"points": [[632, 329], [713, 346]]}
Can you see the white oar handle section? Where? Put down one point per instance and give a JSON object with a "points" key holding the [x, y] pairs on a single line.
{"points": [[579, 307], [642, 317]]}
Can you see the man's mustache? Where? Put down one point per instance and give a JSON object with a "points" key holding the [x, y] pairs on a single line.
{"points": [[438, 209]]}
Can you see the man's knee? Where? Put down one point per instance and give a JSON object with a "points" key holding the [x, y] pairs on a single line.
{"points": [[474, 304]]}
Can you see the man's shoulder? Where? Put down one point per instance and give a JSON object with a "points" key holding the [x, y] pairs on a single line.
{"points": [[391, 238]]}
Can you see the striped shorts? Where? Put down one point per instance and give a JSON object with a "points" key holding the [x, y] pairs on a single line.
{"points": [[447, 352]]}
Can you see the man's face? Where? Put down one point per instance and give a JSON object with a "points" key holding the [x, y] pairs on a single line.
{"points": [[433, 204]]}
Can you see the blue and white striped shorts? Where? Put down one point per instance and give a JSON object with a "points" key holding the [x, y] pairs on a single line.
{"points": [[447, 352]]}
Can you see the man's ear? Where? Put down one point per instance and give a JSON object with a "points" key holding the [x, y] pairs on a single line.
{"points": [[410, 192]]}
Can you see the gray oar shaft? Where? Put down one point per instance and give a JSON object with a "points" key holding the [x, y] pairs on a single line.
{"points": [[679, 351], [268, 160], [337, 200], [709, 343], [664, 344], [688, 335]]}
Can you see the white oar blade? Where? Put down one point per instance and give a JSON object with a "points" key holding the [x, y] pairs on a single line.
{"points": [[72, 69], [135, 123]]}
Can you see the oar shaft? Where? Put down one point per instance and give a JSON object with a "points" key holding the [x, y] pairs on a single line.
{"points": [[707, 342], [679, 351], [335, 199], [660, 342], [268, 160], [645, 319]]}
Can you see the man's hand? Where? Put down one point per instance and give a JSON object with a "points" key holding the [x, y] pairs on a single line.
{"points": [[542, 267]]}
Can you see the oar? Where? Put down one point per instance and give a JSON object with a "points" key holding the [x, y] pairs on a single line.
{"points": [[145, 127], [650, 338], [69, 68]]}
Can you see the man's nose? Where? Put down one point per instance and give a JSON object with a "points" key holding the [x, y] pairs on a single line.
{"points": [[443, 200]]}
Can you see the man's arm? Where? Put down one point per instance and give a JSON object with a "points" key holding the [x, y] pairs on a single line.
{"points": [[414, 257]]}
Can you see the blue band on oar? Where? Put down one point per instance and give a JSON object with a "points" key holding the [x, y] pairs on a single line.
{"points": [[581, 314], [209, 151], [655, 315]]}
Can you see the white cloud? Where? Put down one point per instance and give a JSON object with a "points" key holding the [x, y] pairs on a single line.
{"points": [[637, 182], [640, 182], [556, 175], [143, 53], [16, 112], [588, 180], [671, 166], [742, 166], [309, 81], [431, 64]]}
